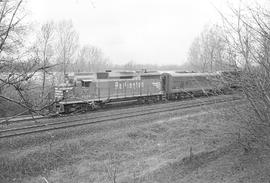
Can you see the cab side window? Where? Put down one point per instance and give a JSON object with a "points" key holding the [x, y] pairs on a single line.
{"points": [[85, 84]]}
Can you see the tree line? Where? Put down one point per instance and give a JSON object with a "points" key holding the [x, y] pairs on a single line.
{"points": [[58, 44], [241, 43]]}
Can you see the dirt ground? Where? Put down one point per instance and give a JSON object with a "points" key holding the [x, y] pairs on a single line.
{"points": [[193, 145]]}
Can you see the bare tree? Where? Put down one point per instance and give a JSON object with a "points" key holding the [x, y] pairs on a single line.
{"points": [[18, 63], [195, 57], [67, 44], [44, 48], [208, 51], [11, 43], [91, 59], [248, 36], [130, 65]]}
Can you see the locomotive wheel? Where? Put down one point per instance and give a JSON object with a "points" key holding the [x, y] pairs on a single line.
{"points": [[91, 106], [102, 105], [144, 101]]}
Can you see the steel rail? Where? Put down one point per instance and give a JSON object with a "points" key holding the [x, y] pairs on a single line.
{"points": [[69, 124], [152, 107], [28, 118]]}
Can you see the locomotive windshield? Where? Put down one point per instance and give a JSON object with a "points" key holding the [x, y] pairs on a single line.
{"points": [[85, 83]]}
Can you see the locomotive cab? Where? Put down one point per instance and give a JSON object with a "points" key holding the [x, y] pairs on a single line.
{"points": [[86, 83], [165, 78]]}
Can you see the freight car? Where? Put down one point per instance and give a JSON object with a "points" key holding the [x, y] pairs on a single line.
{"points": [[89, 93]]}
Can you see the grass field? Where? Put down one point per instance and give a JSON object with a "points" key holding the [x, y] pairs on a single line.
{"points": [[192, 145], [9, 109]]}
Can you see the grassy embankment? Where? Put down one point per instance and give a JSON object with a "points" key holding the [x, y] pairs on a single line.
{"points": [[9, 109], [197, 145]]}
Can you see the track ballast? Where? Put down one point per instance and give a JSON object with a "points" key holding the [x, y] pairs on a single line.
{"points": [[81, 121]]}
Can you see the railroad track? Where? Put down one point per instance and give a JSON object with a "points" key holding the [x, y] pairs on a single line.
{"points": [[38, 128], [109, 107], [103, 113]]}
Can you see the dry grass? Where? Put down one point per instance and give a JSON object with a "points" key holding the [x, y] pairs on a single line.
{"points": [[155, 149], [38, 162], [9, 109]]}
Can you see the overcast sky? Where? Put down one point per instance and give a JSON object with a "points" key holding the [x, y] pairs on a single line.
{"points": [[145, 31]]}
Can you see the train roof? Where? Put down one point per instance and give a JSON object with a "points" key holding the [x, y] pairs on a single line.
{"points": [[83, 73], [111, 80], [191, 74], [151, 74], [121, 74]]}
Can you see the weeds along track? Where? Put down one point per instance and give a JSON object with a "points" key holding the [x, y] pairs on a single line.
{"points": [[20, 119], [86, 120]]}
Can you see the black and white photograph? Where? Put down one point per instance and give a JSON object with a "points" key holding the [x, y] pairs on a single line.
{"points": [[134, 91]]}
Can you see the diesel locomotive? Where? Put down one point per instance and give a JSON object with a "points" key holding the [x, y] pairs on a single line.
{"points": [[87, 91]]}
